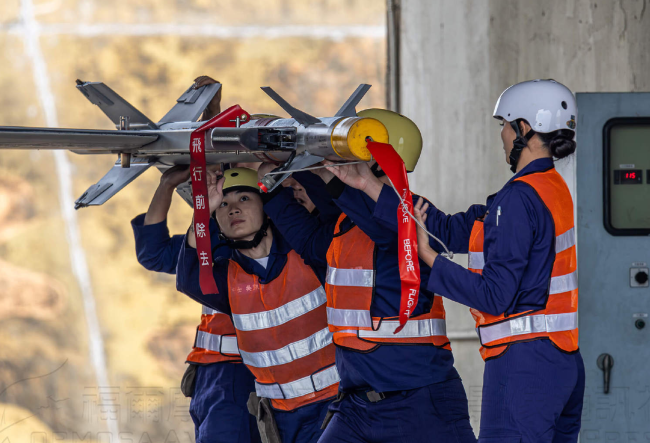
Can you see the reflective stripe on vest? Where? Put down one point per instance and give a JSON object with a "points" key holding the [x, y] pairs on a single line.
{"points": [[214, 325], [281, 315], [413, 328], [298, 388], [364, 278], [564, 283], [562, 243], [217, 343], [210, 311], [560, 284], [529, 324], [361, 319], [558, 319], [349, 285], [289, 353], [349, 317]]}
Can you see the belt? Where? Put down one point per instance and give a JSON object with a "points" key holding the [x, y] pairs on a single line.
{"points": [[375, 397]]}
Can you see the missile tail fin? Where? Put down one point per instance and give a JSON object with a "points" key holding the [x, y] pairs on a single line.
{"points": [[301, 117], [191, 104], [113, 182], [349, 107], [113, 105]]}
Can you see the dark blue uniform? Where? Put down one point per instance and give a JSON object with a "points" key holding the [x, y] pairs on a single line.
{"points": [[301, 425], [218, 406], [424, 385], [317, 193], [533, 392]]}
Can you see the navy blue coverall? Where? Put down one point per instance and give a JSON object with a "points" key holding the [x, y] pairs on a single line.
{"points": [[218, 406], [533, 392], [301, 425], [426, 399]]}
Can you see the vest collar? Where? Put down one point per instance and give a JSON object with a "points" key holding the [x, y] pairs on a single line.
{"points": [[539, 165]]}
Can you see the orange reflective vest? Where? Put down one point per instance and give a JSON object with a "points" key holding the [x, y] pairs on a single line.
{"points": [[282, 334], [558, 320], [350, 284], [215, 339]]}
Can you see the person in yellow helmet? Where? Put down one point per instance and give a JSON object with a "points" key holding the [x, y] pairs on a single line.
{"points": [[394, 387], [217, 381], [277, 305]]}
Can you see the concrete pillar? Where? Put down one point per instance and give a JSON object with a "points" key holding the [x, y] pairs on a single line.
{"points": [[457, 56]]}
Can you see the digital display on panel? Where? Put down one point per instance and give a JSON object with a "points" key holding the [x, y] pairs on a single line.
{"points": [[628, 177], [627, 182]]}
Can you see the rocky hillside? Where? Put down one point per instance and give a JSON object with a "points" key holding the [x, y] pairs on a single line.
{"points": [[149, 52]]}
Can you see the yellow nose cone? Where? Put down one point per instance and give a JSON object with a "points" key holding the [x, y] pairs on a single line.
{"points": [[351, 135]]}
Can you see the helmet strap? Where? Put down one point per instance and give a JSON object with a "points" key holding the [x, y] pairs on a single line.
{"points": [[518, 145], [247, 244]]}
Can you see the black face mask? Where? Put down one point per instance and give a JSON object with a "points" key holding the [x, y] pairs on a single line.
{"points": [[247, 244], [518, 145]]}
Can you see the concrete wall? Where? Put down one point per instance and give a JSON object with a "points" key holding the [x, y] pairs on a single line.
{"points": [[457, 56]]}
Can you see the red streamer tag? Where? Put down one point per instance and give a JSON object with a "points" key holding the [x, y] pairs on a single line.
{"points": [[227, 118], [409, 267]]}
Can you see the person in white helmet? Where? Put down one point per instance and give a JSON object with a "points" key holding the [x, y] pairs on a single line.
{"points": [[521, 284]]}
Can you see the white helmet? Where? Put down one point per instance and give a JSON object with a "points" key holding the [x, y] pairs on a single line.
{"points": [[545, 104]]}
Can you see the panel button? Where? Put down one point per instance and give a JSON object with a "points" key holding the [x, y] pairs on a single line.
{"points": [[639, 277]]}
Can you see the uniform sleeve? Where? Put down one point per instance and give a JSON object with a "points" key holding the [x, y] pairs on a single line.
{"points": [[453, 230], [187, 279], [508, 241], [306, 234], [317, 193], [155, 249], [360, 207]]}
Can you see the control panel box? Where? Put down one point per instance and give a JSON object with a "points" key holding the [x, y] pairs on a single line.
{"points": [[613, 225]]}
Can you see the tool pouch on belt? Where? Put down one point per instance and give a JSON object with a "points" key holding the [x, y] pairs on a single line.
{"points": [[328, 417], [188, 381], [261, 408]]}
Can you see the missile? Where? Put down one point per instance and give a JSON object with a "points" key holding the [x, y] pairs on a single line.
{"points": [[293, 143]]}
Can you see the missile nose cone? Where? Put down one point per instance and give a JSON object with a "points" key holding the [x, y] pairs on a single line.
{"points": [[349, 137]]}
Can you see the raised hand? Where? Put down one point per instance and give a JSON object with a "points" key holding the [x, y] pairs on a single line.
{"points": [[202, 81], [175, 176], [264, 169], [357, 175], [214, 107], [215, 190], [323, 173], [426, 253]]}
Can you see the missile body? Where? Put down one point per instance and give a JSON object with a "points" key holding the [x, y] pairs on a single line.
{"points": [[274, 139]]}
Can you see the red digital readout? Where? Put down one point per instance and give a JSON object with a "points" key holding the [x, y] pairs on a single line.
{"points": [[629, 177]]}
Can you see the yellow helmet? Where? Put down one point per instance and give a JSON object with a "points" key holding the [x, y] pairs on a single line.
{"points": [[403, 134], [239, 179]]}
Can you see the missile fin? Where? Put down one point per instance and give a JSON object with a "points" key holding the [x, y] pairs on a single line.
{"points": [[191, 104], [113, 182], [301, 117], [112, 104], [349, 107]]}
